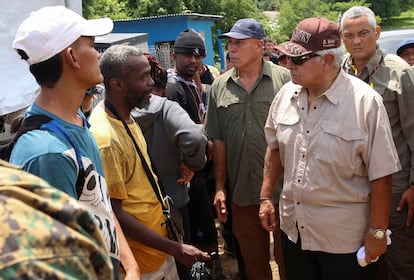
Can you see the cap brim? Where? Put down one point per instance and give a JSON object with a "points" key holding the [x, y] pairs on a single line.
{"points": [[234, 35], [292, 49], [98, 27], [405, 46]]}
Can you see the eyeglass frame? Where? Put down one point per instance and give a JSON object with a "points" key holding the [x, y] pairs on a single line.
{"points": [[300, 60]]}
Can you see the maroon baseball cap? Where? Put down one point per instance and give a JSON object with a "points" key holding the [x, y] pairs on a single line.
{"points": [[312, 35]]}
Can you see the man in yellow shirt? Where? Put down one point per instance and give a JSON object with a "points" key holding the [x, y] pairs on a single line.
{"points": [[134, 199]]}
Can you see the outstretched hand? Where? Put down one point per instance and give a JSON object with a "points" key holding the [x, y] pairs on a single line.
{"points": [[190, 254]]}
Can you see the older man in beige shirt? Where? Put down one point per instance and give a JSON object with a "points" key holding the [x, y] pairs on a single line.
{"points": [[329, 134]]}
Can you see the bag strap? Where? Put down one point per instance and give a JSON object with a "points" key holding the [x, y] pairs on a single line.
{"points": [[157, 187], [44, 122]]}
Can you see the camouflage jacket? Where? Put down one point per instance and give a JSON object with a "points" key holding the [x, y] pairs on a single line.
{"points": [[45, 234]]}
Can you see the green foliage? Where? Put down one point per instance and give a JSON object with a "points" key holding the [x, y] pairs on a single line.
{"points": [[385, 8], [404, 20], [279, 29], [114, 9]]}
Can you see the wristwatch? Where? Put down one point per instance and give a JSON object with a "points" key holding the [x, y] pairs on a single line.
{"points": [[378, 233]]}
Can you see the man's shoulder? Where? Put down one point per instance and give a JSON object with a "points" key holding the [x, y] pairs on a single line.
{"points": [[23, 198], [101, 127], [395, 63]]}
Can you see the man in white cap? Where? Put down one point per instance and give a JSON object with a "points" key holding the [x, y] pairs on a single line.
{"points": [[58, 44], [236, 114], [328, 133]]}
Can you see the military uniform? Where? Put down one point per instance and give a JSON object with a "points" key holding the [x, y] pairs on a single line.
{"points": [[45, 234]]}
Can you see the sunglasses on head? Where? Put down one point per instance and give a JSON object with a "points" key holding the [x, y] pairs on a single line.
{"points": [[299, 60]]}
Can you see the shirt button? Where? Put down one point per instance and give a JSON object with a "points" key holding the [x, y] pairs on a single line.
{"points": [[298, 203], [314, 107], [307, 131]]}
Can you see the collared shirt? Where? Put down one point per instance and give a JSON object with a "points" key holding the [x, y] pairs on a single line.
{"points": [[237, 117], [393, 79], [330, 152]]}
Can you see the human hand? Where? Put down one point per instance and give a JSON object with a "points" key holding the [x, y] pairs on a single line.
{"points": [[267, 215], [186, 174], [407, 199], [220, 205], [374, 247], [190, 254]]}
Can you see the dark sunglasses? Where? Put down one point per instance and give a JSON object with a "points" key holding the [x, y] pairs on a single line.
{"points": [[299, 60]]}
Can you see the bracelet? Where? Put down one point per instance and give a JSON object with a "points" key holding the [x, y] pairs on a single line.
{"points": [[261, 199]]}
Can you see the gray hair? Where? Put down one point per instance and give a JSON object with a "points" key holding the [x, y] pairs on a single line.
{"points": [[338, 53], [114, 61], [359, 11]]}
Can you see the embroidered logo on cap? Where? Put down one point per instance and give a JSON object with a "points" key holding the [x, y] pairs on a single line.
{"points": [[328, 43], [301, 36]]}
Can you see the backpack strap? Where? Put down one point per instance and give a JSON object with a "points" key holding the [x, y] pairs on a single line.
{"points": [[44, 122], [56, 127]]}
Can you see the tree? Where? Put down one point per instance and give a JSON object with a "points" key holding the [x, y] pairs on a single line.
{"points": [[114, 9]]}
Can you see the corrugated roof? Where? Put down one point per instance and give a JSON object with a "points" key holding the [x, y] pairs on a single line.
{"points": [[190, 15]]}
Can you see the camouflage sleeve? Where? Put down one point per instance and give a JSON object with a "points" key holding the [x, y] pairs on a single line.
{"points": [[45, 234]]}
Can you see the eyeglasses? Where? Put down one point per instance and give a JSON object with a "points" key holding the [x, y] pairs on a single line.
{"points": [[299, 60]]}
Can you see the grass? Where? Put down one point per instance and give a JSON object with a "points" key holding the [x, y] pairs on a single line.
{"points": [[404, 20]]}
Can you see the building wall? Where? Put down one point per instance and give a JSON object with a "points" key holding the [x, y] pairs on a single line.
{"points": [[165, 30]]}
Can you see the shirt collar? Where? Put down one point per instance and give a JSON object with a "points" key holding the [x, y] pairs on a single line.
{"points": [[333, 93], [266, 71], [369, 68]]}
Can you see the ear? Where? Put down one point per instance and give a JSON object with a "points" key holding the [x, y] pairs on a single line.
{"points": [[70, 57], [377, 31], [116, 83], [328, 59]]}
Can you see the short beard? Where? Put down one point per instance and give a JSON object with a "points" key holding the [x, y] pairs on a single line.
{"points": [[143, 104]]}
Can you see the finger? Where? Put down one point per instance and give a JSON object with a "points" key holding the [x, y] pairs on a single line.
{"points": [[401, 204], [410, 217]]}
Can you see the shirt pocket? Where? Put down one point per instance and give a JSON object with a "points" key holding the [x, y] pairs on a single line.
{"points": [[286, 121], [227, 100], [343, 145]]}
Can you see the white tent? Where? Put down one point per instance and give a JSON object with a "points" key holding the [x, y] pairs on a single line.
{"points": [[19, 86]]}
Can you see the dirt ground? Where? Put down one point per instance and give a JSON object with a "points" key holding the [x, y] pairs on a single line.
{"points": [[229, 263]]}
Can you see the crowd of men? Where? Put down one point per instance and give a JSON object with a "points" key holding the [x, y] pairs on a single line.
{"points": [[313, 146]]}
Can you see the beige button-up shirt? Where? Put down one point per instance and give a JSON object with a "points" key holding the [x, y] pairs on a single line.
{"points": [[330, 152]]}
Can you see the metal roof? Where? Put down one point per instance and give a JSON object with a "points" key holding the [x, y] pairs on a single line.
{"points": [[190, 15]]}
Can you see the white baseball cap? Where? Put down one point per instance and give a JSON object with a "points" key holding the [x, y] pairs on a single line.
{"points": [[48, 31]]}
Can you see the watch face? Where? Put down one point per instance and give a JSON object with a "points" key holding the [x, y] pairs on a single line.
{"points": [[379, 234]]}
